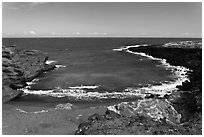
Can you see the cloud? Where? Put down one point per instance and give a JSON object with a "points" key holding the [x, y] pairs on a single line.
{"points": [[76, 33], [21, 5], [31, 32], [37, 3], [53, 33], [9, 5], [98, 33], [187, 34], [10, 33]]}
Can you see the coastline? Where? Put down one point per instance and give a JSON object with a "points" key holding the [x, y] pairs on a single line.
{"points": [[184, 115], [81, 93], [158, 110], [20, 66], [186, 57]]}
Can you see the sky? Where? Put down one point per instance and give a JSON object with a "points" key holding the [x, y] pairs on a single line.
{"points": [[103, 19]]}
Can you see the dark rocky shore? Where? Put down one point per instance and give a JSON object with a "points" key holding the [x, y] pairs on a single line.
{"points": [[177, 113], [187, 101], [18, 67]]}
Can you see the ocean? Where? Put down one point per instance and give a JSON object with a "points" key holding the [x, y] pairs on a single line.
{"points": [[90, 72]]}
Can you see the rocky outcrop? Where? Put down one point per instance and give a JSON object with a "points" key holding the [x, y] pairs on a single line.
{"points": [[112, 123], [18, 67], [142, 117]]}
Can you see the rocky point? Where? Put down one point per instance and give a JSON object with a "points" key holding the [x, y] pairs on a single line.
{"points": [[18, 67]]}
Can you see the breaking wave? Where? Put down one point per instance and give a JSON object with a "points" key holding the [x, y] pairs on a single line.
{"points": [[127, 47], [78, 94], [60, 66], [54, 62], [50, 61]]}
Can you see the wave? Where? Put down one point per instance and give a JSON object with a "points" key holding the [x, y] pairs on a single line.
{"points": [[67, 106], [60, 66], [35, 112], [127, 47], [84, 87], [33, 82], [56, 65], [82, 94], [50, 61], [79, 93]]}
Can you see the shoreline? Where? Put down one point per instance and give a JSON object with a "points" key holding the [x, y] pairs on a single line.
{"points": [[179, 72], [153, 110], [184, 104], [20, 66], [80, 92]]}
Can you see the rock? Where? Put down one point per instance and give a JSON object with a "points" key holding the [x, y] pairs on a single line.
{"points": [[10, 94], [6, 62], [95, 117], [6, 53], [20, 66], [83, 127], [48, 67], [134, 125], [18, 85]]}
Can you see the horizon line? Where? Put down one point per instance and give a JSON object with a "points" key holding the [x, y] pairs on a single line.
{"points": [[98, 37]]}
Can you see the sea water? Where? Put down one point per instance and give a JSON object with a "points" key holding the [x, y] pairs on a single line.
{"points": [[92, 69]]}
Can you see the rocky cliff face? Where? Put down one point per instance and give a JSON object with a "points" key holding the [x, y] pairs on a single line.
{"points": [[18, 67]]}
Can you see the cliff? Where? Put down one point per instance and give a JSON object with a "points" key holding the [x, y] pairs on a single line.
{"points": [[18, 67]]}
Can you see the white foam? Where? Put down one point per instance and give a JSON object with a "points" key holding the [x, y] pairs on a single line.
{"points": [[35, 112], [67, 106], [56, 65], [84, 87], [32, 82], [21, 111], [60, 66], [81, 94], [50, 61], [127, 47]]}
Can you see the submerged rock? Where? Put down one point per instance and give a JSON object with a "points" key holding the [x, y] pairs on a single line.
{"points": [[20, 66]]}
